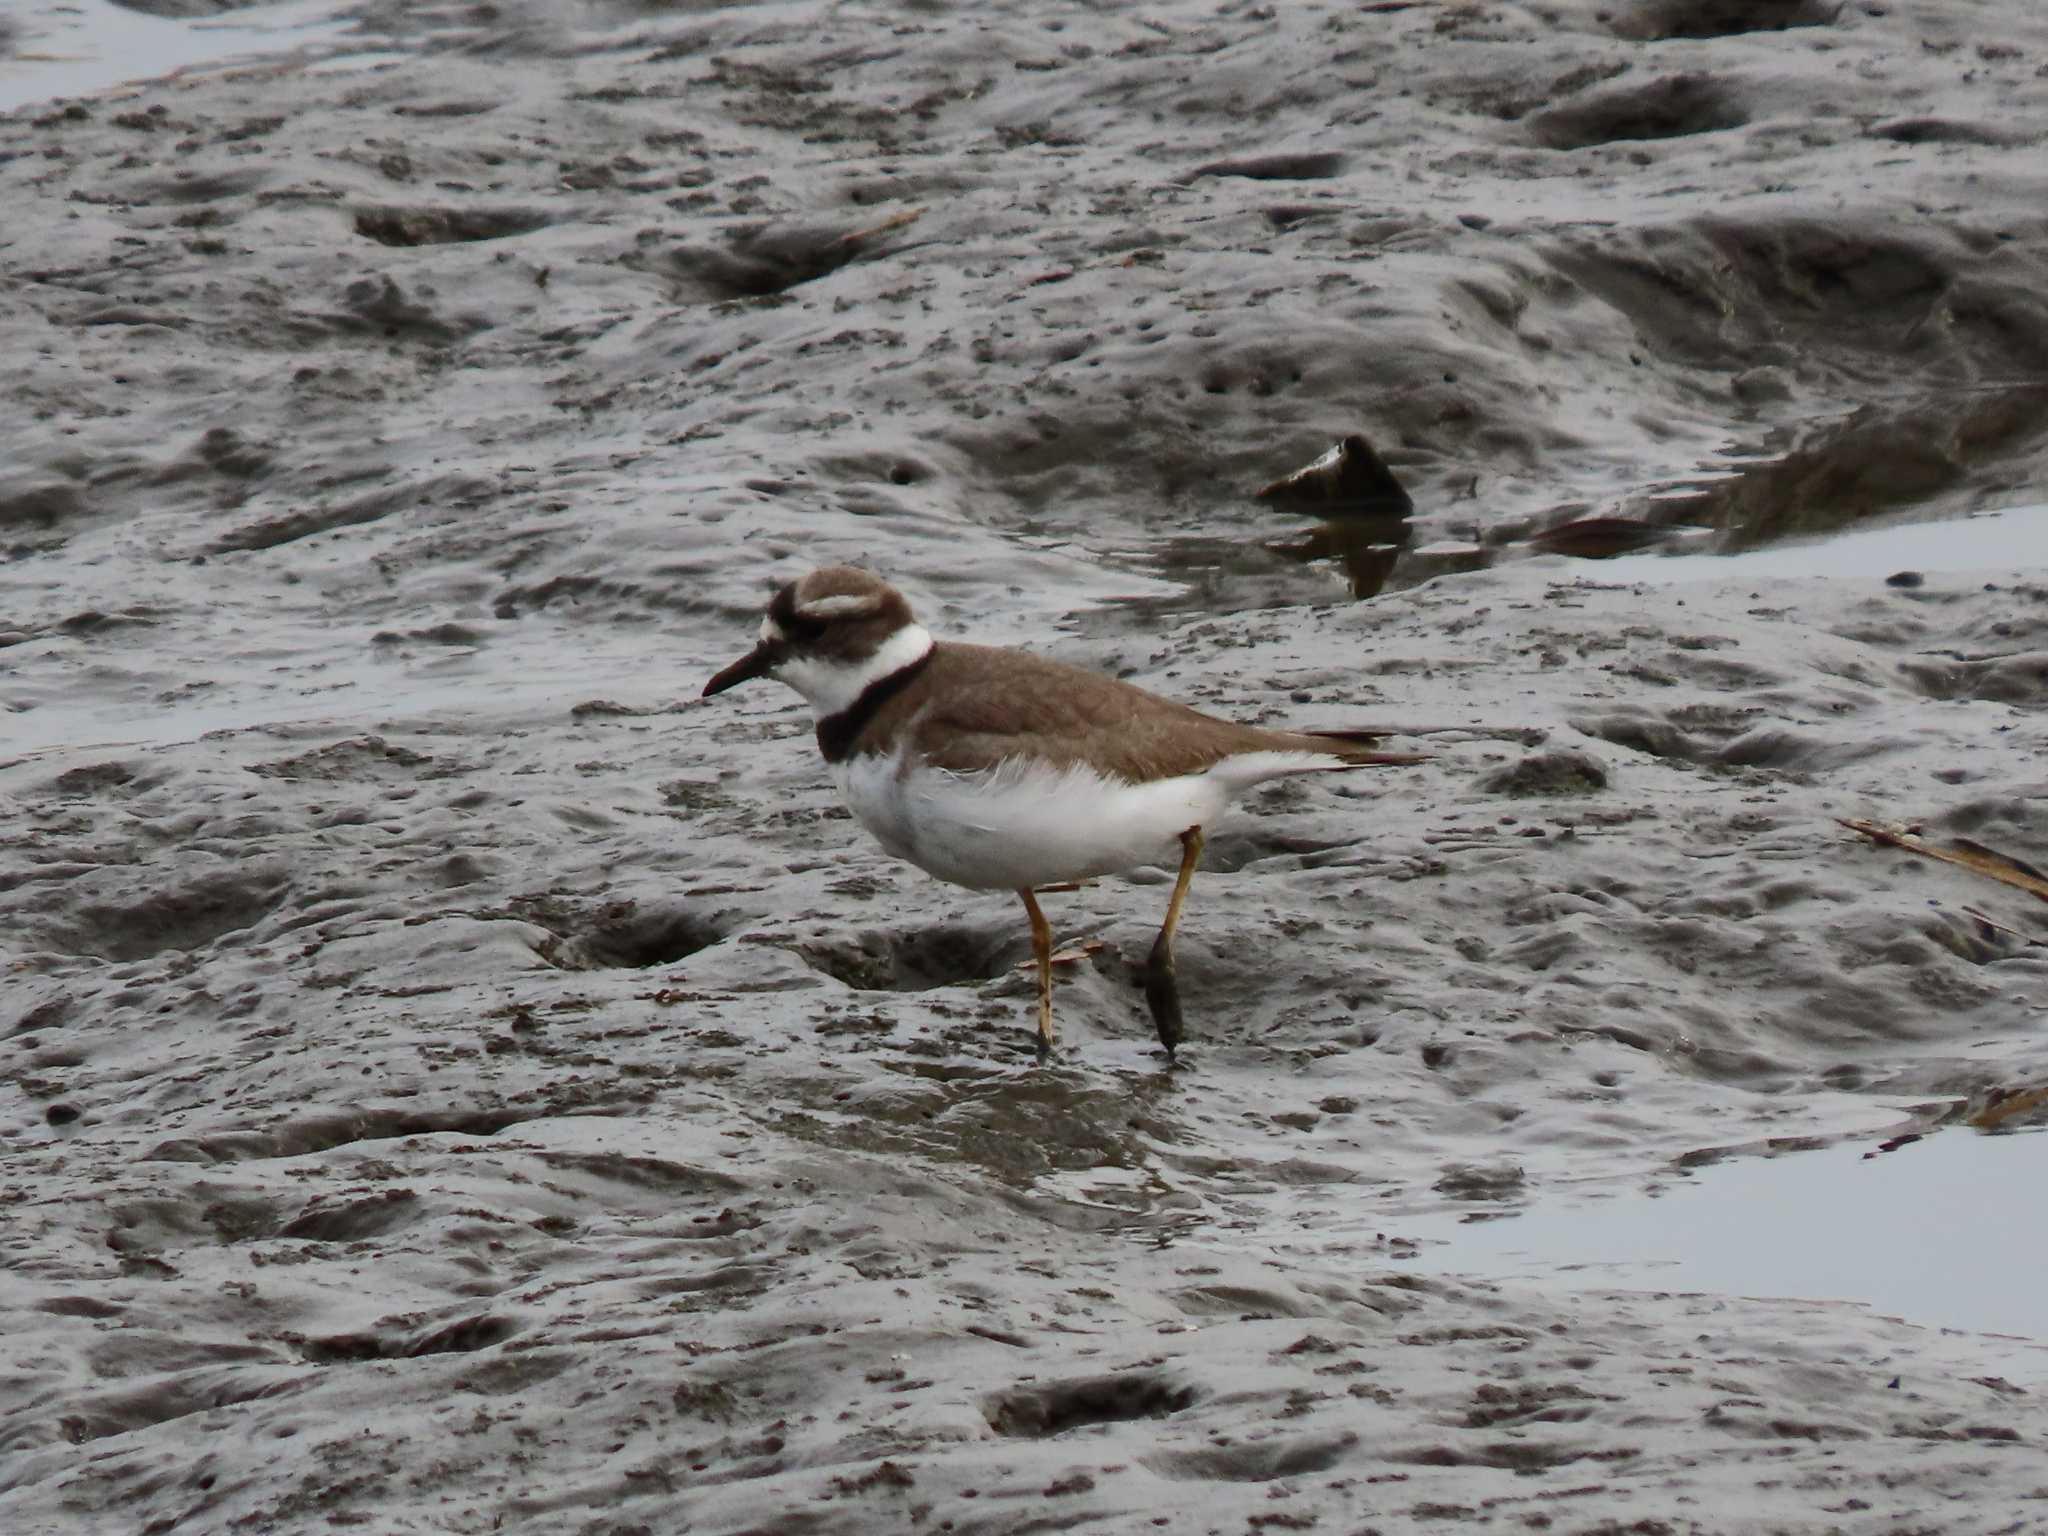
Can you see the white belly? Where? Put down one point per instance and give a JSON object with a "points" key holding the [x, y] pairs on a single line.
{"points": [[1022, 824]]}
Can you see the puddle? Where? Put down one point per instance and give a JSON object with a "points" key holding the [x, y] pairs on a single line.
{"points": [[2001, 543], [1940, 1232], [1222, 576], [83, 47]]}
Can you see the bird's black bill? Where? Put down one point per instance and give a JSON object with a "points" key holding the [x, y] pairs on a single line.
{"points": [[755, 663]]}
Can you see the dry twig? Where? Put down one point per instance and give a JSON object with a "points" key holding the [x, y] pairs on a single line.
{"points": [[1965, 854]]}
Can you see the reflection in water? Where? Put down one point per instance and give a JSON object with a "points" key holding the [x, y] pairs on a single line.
{"points": [[1368, 547], [1878, 460], [1363, 525], [1815, 481], [1363, 508], [1601, 538]]}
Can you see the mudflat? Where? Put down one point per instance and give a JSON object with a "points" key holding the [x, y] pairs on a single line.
{"points": [[458, 1081]]}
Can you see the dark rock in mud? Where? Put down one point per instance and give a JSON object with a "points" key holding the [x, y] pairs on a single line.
{"points": [[1558, 771]]}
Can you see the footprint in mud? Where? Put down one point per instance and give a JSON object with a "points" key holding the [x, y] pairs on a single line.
{"points": [[1493, 1182], [1051, 1408], [919, 959], [196, 1379], [766, 260], [1653, 21], [875, 468], [1669, 108], [462, 1336], [354, 512], [2020, 679], [389, 225], [359, 759], [1638, 730], [1230, 851], [1260, 1461], [219, 453], [186, 916], [1309, 165], [351, 1221], [94, 779], [324, 1132], [376, 305], [622, 935], [40, 505]]}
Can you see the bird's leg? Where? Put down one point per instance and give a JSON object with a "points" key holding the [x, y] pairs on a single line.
{"points": [[1041, 951], [1162, 988]]}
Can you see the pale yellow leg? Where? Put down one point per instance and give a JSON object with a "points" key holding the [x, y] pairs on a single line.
{"points": [[1162, 987], [1041, 951]]}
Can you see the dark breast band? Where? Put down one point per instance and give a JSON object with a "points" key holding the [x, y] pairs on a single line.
{"points": [[837, 733]]}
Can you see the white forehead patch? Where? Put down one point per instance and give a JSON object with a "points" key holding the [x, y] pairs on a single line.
{"points": [[771, 633], [845, 605]]}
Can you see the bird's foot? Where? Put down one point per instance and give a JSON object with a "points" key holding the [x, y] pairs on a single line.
{"points": [[1162, 996]]}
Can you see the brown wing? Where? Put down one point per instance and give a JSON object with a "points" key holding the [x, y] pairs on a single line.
{"points": [[975, 706]]}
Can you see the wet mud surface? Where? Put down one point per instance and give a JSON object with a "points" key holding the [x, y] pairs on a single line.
{"points": [[458, 1081]]}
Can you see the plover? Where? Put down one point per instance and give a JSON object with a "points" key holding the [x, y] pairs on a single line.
{"points": [[999, 770]]}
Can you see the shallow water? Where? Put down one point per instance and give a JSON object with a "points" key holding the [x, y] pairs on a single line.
{"points": [[2012, 539], [1374, 556], [1936, 1232], [80, 48]]}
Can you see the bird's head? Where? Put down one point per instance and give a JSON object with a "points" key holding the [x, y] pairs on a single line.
{"points": [[831, 635]]}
